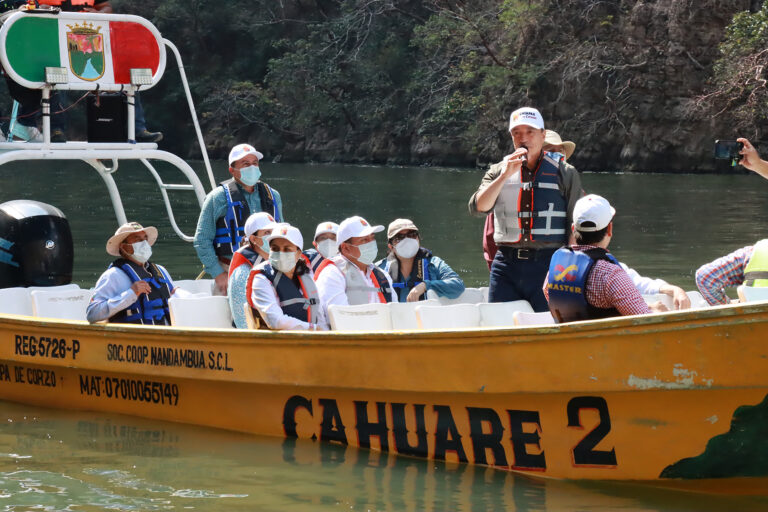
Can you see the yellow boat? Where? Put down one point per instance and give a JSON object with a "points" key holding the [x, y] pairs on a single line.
{"points": [[675, 399]]}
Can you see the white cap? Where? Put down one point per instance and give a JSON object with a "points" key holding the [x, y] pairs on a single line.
{"points": [[354, 227], [242, 150], [593, 210], [287, 232], [257, 221], [526, 116], [326, 227]]}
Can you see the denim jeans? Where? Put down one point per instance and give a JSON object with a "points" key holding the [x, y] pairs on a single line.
{"points": [[519, 278]]}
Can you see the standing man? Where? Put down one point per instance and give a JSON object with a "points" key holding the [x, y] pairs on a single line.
{"points": [[221, 225], [531, 194], [351, 278]]}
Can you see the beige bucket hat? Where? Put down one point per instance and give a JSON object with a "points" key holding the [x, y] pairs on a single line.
{"points": [[113, 244], [552, 138]]}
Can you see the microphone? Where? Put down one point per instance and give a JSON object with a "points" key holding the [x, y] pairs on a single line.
{"points": [[524, 158]]}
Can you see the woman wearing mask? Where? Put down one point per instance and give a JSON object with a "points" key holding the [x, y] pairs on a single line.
{"points": [[281, 290], [413, 268], [255, 250], [325, 244]]}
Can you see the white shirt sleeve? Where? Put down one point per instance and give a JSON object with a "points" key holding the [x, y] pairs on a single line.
{"points": [[111, 295], [645, 285], [265, 299], [331, 288]]}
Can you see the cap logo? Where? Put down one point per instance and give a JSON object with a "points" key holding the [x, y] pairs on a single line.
{"points": [[329, 226], [135, 225], [362, 221], [270, 218], [284, 231]]}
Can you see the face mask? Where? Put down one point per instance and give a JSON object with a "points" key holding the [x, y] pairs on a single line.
{"points": [[141, 251], [327, 248], [264, 245], [282, 261], [367, 253], [250, 175], [407, 247]]}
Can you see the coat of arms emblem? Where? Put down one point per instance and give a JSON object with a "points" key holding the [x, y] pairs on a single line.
{"points": [[85, 45]]}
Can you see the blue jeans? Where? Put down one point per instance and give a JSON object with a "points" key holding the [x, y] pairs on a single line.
{"points": [[517, 277]]}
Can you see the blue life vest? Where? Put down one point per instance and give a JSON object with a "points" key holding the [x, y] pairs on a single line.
{"points": [[314, 257], [149, 309], [569, 270], [533, 211], [402, 283], [230, 229], [300, 302]]}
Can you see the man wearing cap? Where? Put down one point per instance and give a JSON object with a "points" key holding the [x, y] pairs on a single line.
{"points": [[133, 289], [532, 194], [414, 269], [585, 281], [281, 290], [255, 250], [325, 244], [351, 278], [221, 224]]}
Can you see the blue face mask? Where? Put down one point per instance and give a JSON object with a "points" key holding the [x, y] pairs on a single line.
{"points": [[250, 175]]}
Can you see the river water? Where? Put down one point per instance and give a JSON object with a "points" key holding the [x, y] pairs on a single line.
{"points": [[665, 226]]}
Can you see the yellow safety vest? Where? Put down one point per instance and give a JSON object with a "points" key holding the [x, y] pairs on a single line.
{"points": [[756, 272]]}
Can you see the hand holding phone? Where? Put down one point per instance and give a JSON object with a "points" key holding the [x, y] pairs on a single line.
{"points": [[728, 150]]}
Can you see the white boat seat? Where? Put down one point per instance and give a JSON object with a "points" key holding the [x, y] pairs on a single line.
{"points": [[196, 286], [452, 316], [210, 312], [63, 304], [70, 286], [697, 300], [16, 301], [362, 317], [468, 296], [500, 314], [752, 294], [403, 314], [659, 297], [522, 318]]}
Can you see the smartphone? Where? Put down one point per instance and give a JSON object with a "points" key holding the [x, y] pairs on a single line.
{"points": [[728, 150]]}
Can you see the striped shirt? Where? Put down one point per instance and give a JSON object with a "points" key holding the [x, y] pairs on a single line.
{"points": [[609, 286], [713, 278]]}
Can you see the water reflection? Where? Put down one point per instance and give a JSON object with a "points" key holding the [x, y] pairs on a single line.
{"points": [[57, 460]]}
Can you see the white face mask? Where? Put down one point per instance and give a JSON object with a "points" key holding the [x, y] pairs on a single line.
{"points": [[282, 261], [142, 251], [328, 248], [367, 252], [407, 247]]}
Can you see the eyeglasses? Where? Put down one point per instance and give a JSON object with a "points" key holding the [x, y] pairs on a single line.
{"points": [[402, 236]]}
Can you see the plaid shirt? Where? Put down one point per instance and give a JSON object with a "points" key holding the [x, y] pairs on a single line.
{"points": [[609, 286], [713, 278]]}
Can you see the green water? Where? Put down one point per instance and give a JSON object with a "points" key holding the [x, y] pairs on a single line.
{"points": [[666, 226]]}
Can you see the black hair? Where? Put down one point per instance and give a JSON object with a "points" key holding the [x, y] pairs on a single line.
{"points": [[301, 267], [590, 237]]}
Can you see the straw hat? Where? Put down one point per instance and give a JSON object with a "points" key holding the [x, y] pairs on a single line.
{"points": [[113, 244], [552, 138]]}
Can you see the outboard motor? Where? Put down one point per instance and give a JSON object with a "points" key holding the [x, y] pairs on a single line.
{"points": [[36, 247]]}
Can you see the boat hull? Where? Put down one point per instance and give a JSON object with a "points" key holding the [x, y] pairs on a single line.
{"points": [[677, 399]]}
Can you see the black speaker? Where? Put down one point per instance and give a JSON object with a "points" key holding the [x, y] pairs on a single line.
{"points": [[107, 118]]}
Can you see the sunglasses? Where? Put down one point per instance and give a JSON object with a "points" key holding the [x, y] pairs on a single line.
{"points": [[402, 236]]}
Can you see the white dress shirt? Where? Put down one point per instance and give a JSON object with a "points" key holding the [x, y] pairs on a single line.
{"points": [[645, 285], [264, 297], [332, 285], [113, 294]]}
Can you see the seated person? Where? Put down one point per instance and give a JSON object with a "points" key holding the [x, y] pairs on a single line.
{"points": [[585, 281], [423, 270], [281, 290], [350, 277], [254, 251], [325, 244], [133, 289], [748, 266]]}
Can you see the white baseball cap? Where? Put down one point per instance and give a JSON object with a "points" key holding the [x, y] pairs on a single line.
{"points": [[592, 213], [257, 221], [287, 232], [241, 150], [528, 116], [326, 227], [354, 227]]}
